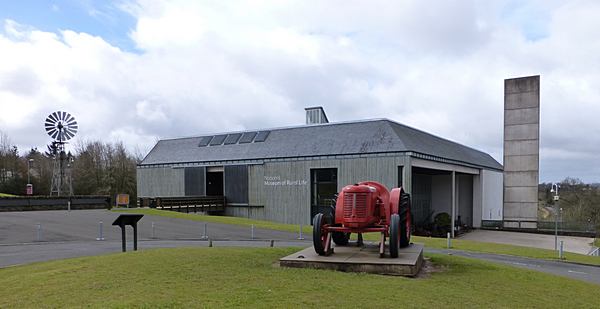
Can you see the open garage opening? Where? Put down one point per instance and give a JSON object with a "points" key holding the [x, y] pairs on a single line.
{"points": [[432, 201]]}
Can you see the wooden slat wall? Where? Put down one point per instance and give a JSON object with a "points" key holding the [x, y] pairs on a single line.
{"points": [[290, 202], [236, 184], [255, 185], [161, 181], [194, 181], [257, 213]]}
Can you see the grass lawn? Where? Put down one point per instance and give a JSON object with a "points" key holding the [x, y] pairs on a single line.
{"points": [[430, 242], [597, 242], [6, 195], [244, 277]]}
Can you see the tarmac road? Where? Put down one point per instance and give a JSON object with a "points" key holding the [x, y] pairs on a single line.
{"points": [[73, 234], [66, 234], [83, 225], [571, 270], [11, 255]]}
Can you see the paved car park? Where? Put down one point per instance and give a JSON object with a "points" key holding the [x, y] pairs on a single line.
{"points": [[83, 225], [64, 234]]}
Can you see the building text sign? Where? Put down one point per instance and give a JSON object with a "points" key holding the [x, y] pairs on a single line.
{"points": [[277, 181]]}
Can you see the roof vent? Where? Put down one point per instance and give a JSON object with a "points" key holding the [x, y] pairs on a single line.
{"points": [[315, 115]]}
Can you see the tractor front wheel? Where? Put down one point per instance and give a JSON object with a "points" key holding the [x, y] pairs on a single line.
{"points": [[394, 235], [320, 234]]}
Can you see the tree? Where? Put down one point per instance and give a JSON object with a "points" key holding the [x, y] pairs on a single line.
{"points": [[104, 168], [98, 169], [41, 171], [12, 168]]}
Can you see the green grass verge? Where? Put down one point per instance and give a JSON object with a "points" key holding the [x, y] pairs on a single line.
{"points": [[597, 242], [6, 195], [249, 277], [439, 243]]}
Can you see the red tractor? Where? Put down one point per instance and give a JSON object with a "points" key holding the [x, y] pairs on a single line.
{"points": [[361, 208]]}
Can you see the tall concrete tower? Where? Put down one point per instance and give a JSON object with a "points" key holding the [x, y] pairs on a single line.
{"points": [[521, 151]]}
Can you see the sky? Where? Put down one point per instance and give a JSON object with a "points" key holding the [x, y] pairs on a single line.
{"points": [[138, 71]]}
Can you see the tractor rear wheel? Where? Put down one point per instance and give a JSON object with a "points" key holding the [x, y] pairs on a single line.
{"points": [[394, 235], [320, 234], [340, 238], [405, 220]]}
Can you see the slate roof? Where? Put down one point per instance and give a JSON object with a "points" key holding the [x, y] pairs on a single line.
{"points": [[341, 138]]}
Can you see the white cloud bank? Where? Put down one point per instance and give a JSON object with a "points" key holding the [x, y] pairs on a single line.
{"points": [[207, 67]]}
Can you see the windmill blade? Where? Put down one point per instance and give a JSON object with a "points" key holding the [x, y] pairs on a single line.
{"points": [[69, 118], [64, 116], [71, 127], [68, 134], [51, 118], [56, 116]]}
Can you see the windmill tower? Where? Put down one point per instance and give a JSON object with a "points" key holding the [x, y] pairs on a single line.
{"points": [[61, 126]]}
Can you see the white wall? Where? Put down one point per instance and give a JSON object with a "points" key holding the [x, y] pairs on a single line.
{"points": [[491, 195]]}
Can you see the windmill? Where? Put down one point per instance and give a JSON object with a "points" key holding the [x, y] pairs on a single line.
{"points": [[61, 126]]}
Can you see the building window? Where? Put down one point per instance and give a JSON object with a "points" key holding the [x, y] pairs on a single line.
{"points": [[400, 178], [323, 190]]}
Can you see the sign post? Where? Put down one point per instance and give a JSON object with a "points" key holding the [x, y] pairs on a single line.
{"points": [[556, 209], [128, 219]]}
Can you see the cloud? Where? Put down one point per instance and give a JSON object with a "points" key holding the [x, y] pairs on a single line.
{"points": [[205, 67]]}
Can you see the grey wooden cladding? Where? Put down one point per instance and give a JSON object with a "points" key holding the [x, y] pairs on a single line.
{"points": [[236, 184], [276, 191], [256, 193], [160, 181], [256, 213], [283, 188], [195, 180]]}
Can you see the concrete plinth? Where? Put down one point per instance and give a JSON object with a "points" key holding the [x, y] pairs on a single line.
{"points": [[360, 259]]}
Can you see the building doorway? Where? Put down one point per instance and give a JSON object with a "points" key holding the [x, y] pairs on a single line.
{"points": [[214, 183], [323, 190]]}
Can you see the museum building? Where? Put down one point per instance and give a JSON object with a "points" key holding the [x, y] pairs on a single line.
{"points": [[289, 174]]}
